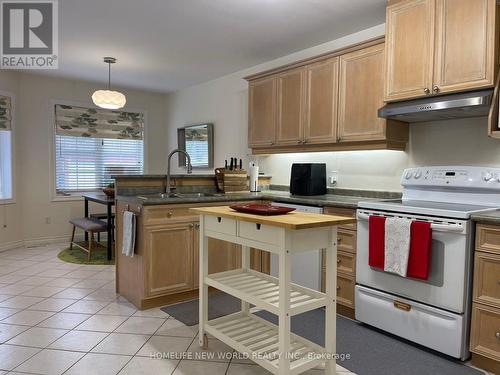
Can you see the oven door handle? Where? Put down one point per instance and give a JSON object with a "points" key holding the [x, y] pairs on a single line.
{"points": [[456, 228]]}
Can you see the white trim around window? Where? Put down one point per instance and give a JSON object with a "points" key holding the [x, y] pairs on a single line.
{"points": [[77, 196], [12, 200]]}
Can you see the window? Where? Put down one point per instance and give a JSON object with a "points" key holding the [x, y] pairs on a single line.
{"points": [[6, 148], [91, 145], [198, 142]]}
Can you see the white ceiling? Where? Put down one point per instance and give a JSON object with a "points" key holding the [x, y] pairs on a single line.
{"points": [[164, 45]]}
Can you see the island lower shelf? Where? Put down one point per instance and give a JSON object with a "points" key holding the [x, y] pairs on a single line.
{"points": [[262, 291], [259, 339]]}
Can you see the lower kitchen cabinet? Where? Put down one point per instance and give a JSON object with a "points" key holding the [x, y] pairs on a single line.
{"points": [[346, 262], [164, 268], [485, 323], [169, 251]]}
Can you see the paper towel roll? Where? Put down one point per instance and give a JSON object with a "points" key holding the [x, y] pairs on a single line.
{"points": [[254, 177]]}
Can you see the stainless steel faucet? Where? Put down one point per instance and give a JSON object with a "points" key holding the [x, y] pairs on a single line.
{"points": [[168, 190]]}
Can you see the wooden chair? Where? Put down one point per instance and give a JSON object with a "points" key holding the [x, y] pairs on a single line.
{"points": [[90, 226]]}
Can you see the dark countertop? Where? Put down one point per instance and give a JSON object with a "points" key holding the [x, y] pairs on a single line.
{"points": [[489, 217], [278, 196], [156, 176]]}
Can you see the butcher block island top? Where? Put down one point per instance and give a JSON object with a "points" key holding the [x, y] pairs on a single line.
{"points": [[292, 220]]}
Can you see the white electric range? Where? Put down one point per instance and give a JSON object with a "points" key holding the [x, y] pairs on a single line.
{"points": [[436, 312]]}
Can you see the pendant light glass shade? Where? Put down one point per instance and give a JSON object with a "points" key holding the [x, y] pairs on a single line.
{"points": [[109, 99]]}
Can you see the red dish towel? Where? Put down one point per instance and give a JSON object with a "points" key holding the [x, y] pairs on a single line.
{"points": [[420, 250], [376, 240]]}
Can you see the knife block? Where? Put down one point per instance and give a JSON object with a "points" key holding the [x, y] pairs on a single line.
{"points": [[234, 181]]}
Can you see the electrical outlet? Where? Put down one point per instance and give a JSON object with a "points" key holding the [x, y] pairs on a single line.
{"points": [[333, 178], [48, 220]]}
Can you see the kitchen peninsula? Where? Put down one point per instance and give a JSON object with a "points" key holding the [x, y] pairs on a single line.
{"points": [[164, 267]]}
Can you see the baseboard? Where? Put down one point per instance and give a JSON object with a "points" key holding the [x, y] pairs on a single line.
{"points": [[40, 241], [11, 245], [485, 363]]}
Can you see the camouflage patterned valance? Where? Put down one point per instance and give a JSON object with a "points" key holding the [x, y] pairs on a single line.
{"points": [[98, 123], [5, 113]]}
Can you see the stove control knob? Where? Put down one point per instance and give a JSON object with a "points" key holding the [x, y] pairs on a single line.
{"points": [[417, 174], [408, 175], [487, 176]]}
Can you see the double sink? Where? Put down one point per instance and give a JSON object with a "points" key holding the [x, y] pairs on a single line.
{"points": [[178, 195]]}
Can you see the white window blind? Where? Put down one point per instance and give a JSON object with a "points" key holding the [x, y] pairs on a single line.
{"points": [[85, 163], [198, 151]]}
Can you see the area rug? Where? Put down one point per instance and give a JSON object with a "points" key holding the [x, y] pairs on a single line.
{"points": [[371, 351], [78, 256]]}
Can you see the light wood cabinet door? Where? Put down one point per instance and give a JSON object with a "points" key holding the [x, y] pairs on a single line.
{"points": [[290, 107], [488, 238], [345, 289], [170, 258], [487, 279], [485, 331], [409, 49], [321, 102], [465, 45], [361, 94], [262, 112]]}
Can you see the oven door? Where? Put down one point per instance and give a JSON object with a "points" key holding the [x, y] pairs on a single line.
{"points": [[449, 274]]}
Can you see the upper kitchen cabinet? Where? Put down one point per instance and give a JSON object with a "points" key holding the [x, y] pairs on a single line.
{"points": [[361, 95], [291, 97], [321, 102], [439, 46], [465, 45], [409, 49], [325, 103], [262, 112]]}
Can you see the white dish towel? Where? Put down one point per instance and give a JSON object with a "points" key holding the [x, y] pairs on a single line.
{"points": [[397, 245], [129, 228]]}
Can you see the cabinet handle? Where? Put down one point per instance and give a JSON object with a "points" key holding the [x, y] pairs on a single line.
{"points": [[258, 226], [197, 226], [427, 91], [272, 143], [219, 219], [435, 89], [498, 282], [339, 239], [169, 214], [497, 335], [191, 225], [338, 261], [338, 287], [299, 142]]}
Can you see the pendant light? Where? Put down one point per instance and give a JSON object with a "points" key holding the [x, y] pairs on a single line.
{"points": [[109, 99]]}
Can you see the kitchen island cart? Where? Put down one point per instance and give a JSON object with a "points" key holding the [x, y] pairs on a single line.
{"points": [[273, 347]]}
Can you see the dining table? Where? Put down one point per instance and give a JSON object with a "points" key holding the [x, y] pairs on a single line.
{"points": [[109, 202]]}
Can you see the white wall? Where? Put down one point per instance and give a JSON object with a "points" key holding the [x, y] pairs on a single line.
{"points": [[224, 102], [26, 220]]}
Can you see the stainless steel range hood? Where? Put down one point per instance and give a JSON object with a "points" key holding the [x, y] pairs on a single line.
{"points": [[469, 104]]}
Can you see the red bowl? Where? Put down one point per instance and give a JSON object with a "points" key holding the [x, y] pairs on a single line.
{"points": [[262, 209]]}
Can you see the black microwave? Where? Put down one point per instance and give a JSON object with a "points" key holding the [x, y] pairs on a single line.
{"points": [[308, 179]]}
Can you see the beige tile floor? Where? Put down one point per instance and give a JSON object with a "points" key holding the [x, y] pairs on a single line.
{"points": [[59, 318]]}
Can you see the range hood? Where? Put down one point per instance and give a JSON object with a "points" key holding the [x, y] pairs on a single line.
{"points": [[469, 104]]}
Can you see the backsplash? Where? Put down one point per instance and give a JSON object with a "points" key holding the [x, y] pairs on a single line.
{"points": [[452, 142]]}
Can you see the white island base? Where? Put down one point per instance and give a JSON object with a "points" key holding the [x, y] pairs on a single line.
{"points": [[273, 347]]}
